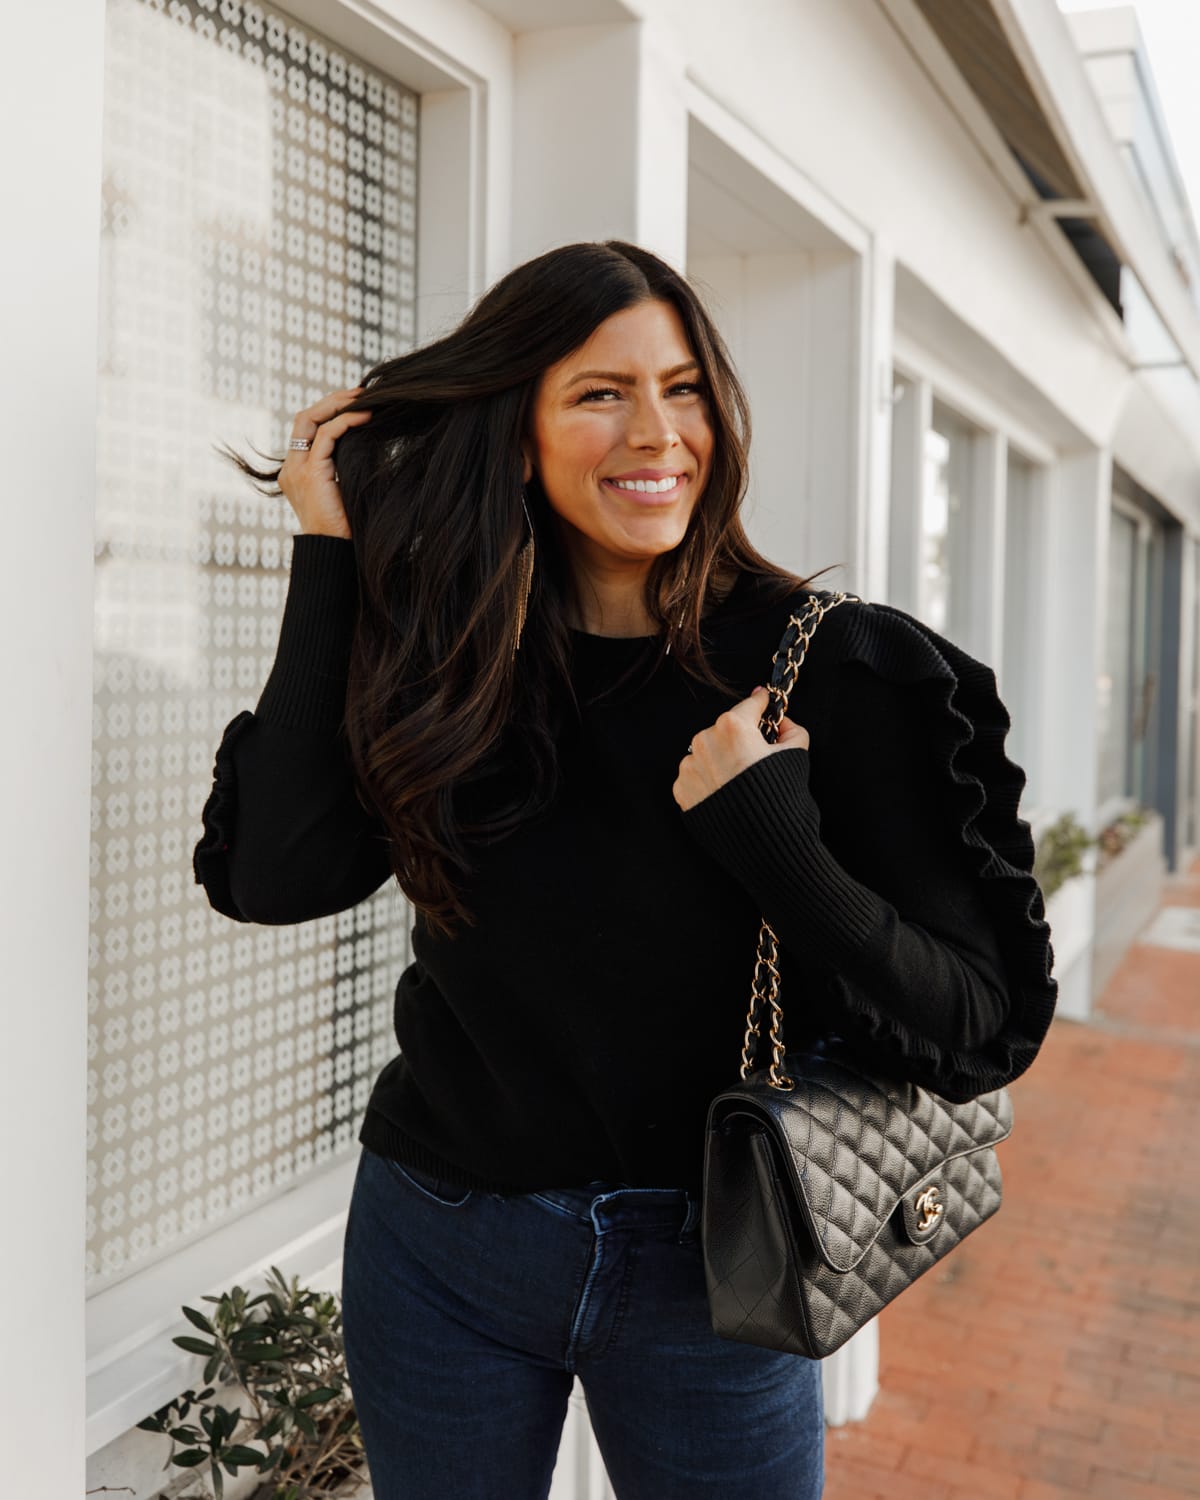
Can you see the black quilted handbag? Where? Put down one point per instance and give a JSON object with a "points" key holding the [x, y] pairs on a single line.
{"points": [[827, 1188]]}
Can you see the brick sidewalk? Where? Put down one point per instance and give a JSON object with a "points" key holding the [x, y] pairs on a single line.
{"points": [[1056, 1352]]}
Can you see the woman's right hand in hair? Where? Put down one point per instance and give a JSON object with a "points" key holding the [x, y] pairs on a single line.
{"points": [[308, 477]]}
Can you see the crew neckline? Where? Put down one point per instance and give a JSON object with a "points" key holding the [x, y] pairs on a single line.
{"points": [[630, 640]]}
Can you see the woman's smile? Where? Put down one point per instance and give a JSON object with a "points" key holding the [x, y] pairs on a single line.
{"points": [[647, 496]]}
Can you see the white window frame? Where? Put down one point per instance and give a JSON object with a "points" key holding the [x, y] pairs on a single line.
{"points": [[997, 428], [1112, 807], [462, 70]]}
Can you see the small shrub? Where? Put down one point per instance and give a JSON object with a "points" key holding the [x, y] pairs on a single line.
{"points": [[284, 1348], [1058, 853]]}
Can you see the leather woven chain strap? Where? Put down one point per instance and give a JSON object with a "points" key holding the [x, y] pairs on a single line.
{"points": [[787, 661]]}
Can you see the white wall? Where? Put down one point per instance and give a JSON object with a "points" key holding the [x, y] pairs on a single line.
{"points": [[833, 88], [599, 140], [50, 114]]}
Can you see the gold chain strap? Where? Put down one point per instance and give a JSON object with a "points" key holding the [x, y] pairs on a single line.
{"points": [[799, 633]]}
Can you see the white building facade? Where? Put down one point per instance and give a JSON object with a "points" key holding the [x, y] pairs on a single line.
{"points": [[948, 248]]}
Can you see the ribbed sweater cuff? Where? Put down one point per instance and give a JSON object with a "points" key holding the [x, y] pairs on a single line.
{"points": [[306, 688], [763, 826]]}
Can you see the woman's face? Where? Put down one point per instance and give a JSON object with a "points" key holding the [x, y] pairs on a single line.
{"points": [[646, 414]]}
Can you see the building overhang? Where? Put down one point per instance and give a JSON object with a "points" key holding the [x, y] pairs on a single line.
{"points": [[1020, 62]]}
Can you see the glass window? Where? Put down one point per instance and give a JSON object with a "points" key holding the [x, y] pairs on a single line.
{"points": [[945, 511], [258, 249]]}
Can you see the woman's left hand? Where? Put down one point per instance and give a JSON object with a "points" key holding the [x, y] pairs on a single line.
{"points": [[732, 743]]}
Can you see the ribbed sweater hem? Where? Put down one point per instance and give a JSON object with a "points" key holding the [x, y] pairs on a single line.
{"points": [[385, 1138]]}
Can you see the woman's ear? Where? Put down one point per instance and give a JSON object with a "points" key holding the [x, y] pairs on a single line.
{"points": [[526, 461]]}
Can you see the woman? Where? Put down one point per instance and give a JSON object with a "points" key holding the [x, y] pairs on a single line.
{"points": [[518, 669]]}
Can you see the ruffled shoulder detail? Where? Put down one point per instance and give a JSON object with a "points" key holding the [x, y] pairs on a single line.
{"points": [[209, 865], [968, 725]]}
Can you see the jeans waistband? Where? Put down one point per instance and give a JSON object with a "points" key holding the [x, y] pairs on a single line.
{"points": [[609, 1205]]}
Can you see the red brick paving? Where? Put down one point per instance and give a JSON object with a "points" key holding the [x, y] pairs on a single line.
{"points": [[1056, 1352]]}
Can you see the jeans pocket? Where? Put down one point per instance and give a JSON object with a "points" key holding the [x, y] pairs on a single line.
{"points": [[445, 1194]]}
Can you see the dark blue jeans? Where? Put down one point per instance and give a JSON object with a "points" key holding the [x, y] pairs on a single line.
{"points": [[467, 1314]]}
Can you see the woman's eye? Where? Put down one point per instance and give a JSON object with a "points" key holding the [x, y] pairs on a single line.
{"points": [[683, 385]]}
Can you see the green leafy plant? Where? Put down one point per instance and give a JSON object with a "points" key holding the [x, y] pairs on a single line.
{"points": [[284, 1348], [1058, 853]]}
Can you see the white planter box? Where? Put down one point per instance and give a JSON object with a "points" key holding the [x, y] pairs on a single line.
{"points": [[1128, 890], [1069, 912], [1070, 915]]}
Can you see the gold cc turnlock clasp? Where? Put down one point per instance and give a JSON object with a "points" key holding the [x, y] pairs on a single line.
{"points": [[929, 1208]]}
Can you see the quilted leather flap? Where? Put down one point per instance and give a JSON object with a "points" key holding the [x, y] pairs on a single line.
{"points": [[853, 1147]]}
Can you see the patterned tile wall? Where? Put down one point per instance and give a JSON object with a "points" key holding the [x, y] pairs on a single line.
{"points": [[258, 249]]}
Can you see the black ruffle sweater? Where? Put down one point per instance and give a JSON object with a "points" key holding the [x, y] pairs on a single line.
{"points": [[581, 1028]]}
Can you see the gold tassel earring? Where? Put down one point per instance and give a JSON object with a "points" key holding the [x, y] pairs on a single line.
{"points": [[682, 617], [524, 579]]}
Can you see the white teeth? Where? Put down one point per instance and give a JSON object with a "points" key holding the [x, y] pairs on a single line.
{"points": [[647, 486]]}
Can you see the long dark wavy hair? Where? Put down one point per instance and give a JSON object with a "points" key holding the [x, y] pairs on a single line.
{"points": [[432, 487]]}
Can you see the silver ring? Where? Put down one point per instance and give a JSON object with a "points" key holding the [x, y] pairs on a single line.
{"points": [[689, 749], [300, 443]]}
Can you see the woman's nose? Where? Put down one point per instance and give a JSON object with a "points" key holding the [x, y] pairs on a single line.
{"points": [[650, 425]]}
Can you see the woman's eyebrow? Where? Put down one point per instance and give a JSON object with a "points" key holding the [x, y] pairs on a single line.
{"points": [[692, 364]]}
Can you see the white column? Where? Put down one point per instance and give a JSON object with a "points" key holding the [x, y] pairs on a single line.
{"points": [[1075, 608], [50, 262], [599, 139], [850, 1376]]}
